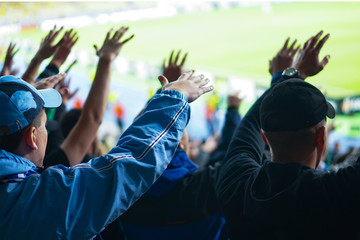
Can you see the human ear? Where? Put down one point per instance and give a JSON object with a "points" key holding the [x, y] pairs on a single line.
{"points": [[31, 138], [320, 136]]}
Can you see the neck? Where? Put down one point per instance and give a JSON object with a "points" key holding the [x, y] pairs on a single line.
{"points": [[308, 158]]}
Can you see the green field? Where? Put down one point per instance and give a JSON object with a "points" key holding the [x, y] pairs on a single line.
{"points": [[240, 41]]}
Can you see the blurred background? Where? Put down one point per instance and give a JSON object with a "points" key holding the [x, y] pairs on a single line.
{"points": [[230, 42]]}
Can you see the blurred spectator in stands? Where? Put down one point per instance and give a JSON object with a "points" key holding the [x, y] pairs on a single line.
{"points": [[9, 60], [81, 140]]}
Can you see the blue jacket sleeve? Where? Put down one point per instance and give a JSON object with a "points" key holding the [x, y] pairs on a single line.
{"points": [[82, 200]]}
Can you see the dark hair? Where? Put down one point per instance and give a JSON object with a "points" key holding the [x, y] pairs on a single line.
{"points": [[11, 142], [69, 120]]}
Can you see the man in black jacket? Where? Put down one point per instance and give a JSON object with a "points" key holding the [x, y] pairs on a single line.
{"points": [[286, 198]]}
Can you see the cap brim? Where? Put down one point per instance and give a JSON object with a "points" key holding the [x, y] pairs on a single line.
{"points": [[52, 98], [330, 111]]}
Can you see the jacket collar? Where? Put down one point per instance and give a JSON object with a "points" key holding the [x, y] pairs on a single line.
{"points": [[12, 164]]}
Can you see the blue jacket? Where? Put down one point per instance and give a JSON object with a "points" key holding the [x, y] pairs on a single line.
{"points": [[140, 223], [78, 202]]}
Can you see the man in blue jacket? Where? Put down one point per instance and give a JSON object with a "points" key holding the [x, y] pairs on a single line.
{"points": [[78, 202]]}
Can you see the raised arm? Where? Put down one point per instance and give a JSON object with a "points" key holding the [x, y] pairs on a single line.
{"points": [[95, 193], [244, 154], [46, 50], [9, 59], [77, 143]]}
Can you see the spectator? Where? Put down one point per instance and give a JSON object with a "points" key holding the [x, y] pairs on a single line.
{"points": [[164, 211], [7, 67], [68, 199], [83, 135], [287, 198]]}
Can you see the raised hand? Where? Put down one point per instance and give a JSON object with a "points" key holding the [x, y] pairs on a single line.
{"points": [[307, 61], [191, 86], [234, 100], [112, 45], [67, 42], [64, 90], [173, 71], [49, 82], [9, 59], [47, 47], [284, 58]]}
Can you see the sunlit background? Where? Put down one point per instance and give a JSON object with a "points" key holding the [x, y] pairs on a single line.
{"points": [[230, 42]]}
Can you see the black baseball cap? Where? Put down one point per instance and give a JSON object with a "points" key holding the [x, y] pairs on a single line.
{"points": [[293, 105]]}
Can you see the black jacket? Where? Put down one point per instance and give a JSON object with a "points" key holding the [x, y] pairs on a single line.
{"points": [[266, 200]]}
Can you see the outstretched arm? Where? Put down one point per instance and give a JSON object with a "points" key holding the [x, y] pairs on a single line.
{"points": [[79, 140], [46, 50]]}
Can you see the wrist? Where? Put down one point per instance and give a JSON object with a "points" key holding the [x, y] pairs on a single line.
{"points": [[233, 108], [107, 58], [56, 63], [37, 59], [291, 72]]}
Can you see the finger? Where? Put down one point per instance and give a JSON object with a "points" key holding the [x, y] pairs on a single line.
{"points": [[63, 91], [186, 75], [171, 56], [71, 33], [325, 61], [163, 80], [123, 31], [315, 39], [203, 82], [128, 39], [73, 93], [177, 57], [306, 44], [56, 34], [96, 49], [322, 42], [292, 46], [207, 89], [75, 41], [117, 34], [15, 52], [183, 60], [108, 34], [286, 43]]}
